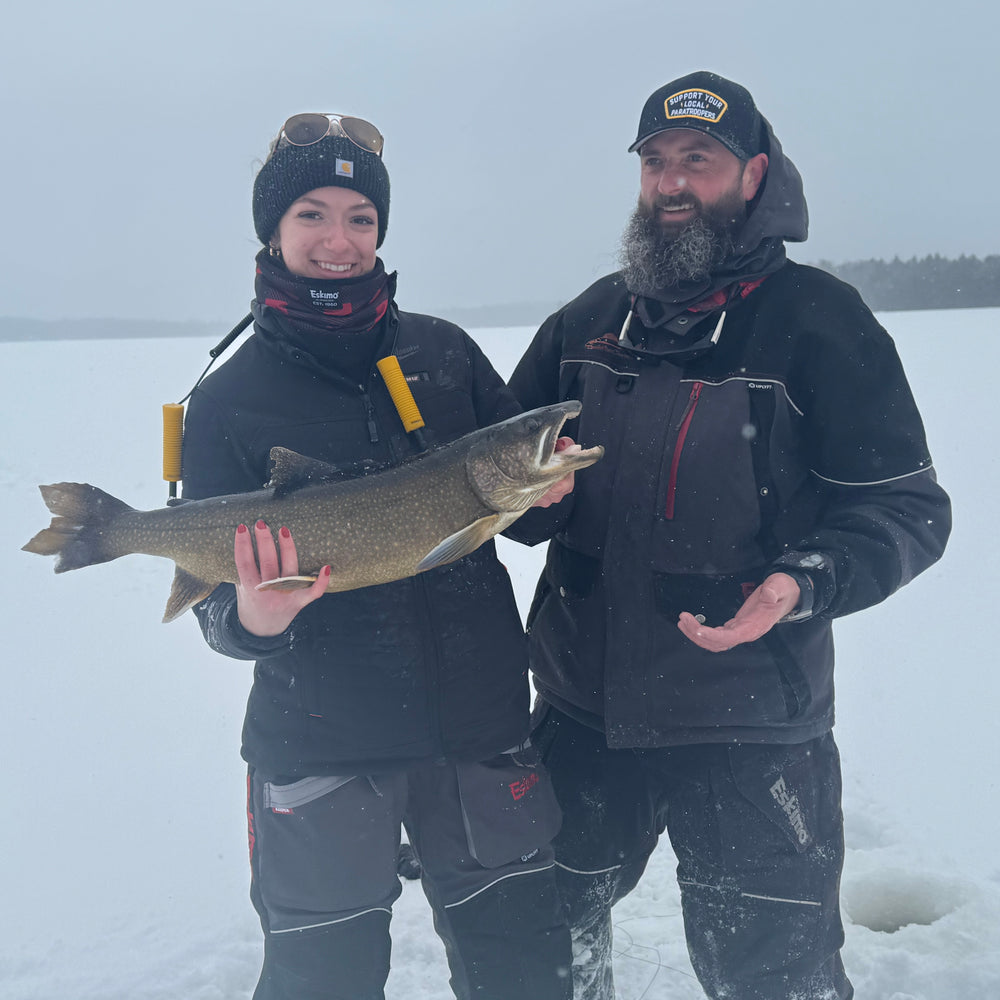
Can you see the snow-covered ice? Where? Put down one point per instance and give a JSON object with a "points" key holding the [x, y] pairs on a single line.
{"points": [[123, 853]]}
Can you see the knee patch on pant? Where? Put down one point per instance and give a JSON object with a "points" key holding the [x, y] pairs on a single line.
{"points": [[344, 961], [511, 939]]}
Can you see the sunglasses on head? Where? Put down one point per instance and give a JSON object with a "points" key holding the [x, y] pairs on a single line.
{"points": [[307, 129]]}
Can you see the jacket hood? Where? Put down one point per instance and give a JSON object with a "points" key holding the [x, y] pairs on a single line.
{"points": [[779, 211]]}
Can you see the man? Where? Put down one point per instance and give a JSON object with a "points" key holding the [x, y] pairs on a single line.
{"points": [[765, 472]]}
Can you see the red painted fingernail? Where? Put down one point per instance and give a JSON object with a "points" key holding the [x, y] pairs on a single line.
{"points": [[260, 526], [241, 530], [285, 533]]}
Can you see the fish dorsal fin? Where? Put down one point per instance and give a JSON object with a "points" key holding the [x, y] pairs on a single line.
{"points": [[467, 540], [186, 592], [291, 471]]}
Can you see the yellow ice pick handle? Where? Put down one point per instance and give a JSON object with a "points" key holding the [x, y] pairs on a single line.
{"points": [[395, 382], [173, 429]]}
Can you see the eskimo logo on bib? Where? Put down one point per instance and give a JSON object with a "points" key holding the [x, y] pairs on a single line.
{"points": [[701, 104]]}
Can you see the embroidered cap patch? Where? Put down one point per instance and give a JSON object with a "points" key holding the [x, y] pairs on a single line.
{"points": [[345, 168], [701, 104]]}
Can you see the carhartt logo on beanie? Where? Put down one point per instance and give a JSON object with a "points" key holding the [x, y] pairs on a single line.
{"points": [[335, 161], [709, 103]]}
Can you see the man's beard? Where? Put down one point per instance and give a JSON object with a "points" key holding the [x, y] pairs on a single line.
{"points": [[655, 256]]}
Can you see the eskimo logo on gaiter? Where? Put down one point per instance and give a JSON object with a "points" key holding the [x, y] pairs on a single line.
{"points": [[701, 104]]}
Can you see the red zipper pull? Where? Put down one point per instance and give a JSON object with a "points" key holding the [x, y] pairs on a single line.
{"points": [[682, 430]]}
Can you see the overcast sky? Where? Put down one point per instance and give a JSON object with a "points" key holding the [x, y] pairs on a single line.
{"points": [[132, 132]]}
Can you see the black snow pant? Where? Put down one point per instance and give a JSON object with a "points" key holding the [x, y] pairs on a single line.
{"points": [[323, 860], [758, 834]]}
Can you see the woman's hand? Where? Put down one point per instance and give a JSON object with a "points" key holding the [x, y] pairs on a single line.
{"points": [[270, 612], [558, 490]]}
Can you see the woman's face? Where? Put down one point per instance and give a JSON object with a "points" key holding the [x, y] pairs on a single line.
{"points": [[329, 232]]}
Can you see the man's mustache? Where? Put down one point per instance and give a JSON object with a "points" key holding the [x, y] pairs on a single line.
{"points": [[672, 201]]}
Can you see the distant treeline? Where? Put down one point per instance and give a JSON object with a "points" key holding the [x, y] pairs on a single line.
{"points": [[933, 282], [12, 328]]}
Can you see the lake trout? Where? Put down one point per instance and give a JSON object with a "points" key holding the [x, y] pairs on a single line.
{"points": [[370, 529]]}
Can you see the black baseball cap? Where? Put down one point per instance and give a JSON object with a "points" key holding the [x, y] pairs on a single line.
{"points": [[709, 103]]}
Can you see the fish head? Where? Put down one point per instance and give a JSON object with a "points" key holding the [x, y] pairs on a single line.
{"points": [[514, 463]]}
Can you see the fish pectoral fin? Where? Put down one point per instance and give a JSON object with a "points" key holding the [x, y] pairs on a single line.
{"points": [[467, 540], [287, 583], [186, 592]]}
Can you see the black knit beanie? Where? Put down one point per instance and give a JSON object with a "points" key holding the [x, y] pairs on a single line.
{"points": [[335, 161]]}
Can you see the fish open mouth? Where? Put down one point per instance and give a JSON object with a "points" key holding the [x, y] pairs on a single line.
{"points": [[519, 461], [573, 457]]}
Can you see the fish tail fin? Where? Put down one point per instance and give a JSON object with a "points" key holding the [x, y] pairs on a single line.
{"points": [[77, 532]]}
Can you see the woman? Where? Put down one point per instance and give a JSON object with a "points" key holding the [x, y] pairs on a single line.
{"points": [[402, 704]]}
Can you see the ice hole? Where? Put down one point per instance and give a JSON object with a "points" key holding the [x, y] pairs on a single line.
{"points": [[891, 899]]}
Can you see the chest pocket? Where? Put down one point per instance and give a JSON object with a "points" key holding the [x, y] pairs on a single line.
{"points": [[714, 500], [341, 440], [447, 408]]}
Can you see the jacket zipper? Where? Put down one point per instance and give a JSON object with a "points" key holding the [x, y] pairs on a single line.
{"points": [[682, 430], [370, 415]]}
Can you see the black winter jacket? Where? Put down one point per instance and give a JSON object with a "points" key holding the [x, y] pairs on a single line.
{"points": [[373, 679], [794, 444]]}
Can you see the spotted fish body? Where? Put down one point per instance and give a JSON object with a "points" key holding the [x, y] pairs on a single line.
{"points": [[370, 530]]}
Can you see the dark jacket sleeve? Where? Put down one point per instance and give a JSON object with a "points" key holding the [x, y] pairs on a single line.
{"points": [[535, 381], [886, 519], [492, 400], [223, 631], [213, 465], [213, 462], [871, 542]]}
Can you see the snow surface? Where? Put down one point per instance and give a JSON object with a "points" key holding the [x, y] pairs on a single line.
{"points": [[123, 867]]}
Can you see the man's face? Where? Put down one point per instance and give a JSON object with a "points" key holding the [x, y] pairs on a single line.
{"points": [[692, 204], [688, 175]]}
